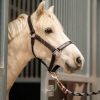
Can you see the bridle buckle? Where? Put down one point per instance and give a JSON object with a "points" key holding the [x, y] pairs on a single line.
{"points": [[57, 52], [33, 36]]}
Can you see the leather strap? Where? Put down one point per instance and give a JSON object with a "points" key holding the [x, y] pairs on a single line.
{"points": [[50, 47], [32, 31], [60, 48]]}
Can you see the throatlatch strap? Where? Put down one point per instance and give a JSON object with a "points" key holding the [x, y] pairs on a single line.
{"points": [[32, 31], [52, 63], [32, 44]]}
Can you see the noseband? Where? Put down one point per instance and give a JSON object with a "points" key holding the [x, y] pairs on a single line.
{"points": [[55, 51]]}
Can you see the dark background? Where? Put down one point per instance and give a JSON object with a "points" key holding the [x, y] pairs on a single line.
{"points": [[25, 91]]}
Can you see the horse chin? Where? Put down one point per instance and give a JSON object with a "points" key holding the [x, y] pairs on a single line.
{"points": [[70, 69]]}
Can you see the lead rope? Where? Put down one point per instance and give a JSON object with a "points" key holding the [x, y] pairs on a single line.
{"points": [[67, 91]]}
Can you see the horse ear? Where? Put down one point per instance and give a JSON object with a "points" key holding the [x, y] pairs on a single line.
{"points": [[41, 8], [51, 9]]}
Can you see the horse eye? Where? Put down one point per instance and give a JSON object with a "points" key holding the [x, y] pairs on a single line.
{"points": [[48, 30]]}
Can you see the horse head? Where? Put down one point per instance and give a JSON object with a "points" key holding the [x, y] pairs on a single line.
{"points": [[47, 26]]}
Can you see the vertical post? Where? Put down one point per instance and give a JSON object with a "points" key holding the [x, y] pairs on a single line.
{"points": [[94, 43], [3, 47], [94, 35], [44, 75], [44, 83], [88, 35]]}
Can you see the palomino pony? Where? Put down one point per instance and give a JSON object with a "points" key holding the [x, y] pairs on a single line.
{"points": [[50, 30]]}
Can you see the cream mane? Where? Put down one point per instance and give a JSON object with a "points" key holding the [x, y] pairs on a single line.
{"points": [[17, 26]]}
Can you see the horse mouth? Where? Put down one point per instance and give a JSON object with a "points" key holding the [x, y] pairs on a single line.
{"points": [[70, 68]]}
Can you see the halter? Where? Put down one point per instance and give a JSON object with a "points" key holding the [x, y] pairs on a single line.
{"points": [[55, 51], [52, 68]]}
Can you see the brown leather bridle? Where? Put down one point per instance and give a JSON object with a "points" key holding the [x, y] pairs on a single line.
{"points": [[55, 51]]}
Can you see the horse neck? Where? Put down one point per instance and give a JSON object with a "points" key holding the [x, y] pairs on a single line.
{"points": [[19, 54]]}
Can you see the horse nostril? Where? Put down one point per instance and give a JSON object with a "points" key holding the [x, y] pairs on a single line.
{"points": [[78, 61]]}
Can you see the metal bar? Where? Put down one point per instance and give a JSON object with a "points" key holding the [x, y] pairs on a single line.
{"points": [[28, 80], [98, 38], [23, 6], [88, 36], [14, 9], [94, 45], [18, 8], [36, 69], [3, 47], [33, 8], [44, 83], [94, 37], [28, 6], [26, 70], [32, 68], [72, 78]]}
